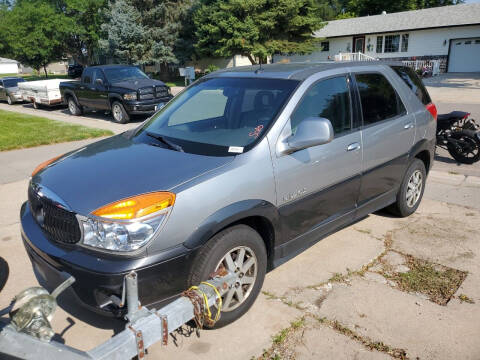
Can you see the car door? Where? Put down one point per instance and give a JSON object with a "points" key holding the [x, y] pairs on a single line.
{"points": [[317, 187], [388, 134], [98, 95]]}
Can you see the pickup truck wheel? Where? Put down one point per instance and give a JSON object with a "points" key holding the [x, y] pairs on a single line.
{"points": [[73, 107], [241, 250], [119, 114], [9, 100]]}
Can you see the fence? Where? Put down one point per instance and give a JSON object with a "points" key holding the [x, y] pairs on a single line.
{"points": [[358, 56], [430, 65]]}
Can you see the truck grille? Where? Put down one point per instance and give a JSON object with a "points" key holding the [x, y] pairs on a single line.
{"points": [[60, 225], [147, 93]]}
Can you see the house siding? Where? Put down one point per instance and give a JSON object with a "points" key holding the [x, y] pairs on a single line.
{"points": [[429, 43]]}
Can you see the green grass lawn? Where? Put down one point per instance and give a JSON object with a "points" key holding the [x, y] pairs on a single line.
{"points": [[22, 131]]}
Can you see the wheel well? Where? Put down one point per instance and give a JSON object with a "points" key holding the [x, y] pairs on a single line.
{"points": [[425, 157], [265, 229]]}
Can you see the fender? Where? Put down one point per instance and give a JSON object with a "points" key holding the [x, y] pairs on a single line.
{"points": [[114, 96], [231, 214], [69, 92], [422, 145]]}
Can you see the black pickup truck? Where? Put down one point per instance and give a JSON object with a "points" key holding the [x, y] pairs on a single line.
{"points": [[123, 90]]}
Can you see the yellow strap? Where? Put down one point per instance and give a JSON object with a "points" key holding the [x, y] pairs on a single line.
{"points": [[219, 300]]}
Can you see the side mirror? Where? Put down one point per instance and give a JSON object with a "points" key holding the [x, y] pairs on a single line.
{"points": [[99, 82], [312, 131]]}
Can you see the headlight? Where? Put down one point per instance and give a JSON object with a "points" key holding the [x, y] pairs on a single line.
{"points": [[130, 96], [128, 224]]}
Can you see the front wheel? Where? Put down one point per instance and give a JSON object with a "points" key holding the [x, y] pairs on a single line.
{"points": [[9, 100], [411, 190], [241, 250], [466, 148], [119, 113]]}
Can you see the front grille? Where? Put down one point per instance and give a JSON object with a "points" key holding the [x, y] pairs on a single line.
{"points": [[161, 92], [60, 225], [147, 93]]}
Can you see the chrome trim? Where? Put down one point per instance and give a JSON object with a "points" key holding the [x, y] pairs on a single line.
{"points": [[43, 192]]}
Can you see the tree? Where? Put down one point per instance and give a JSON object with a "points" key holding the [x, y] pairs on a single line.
{"points": [[123, 33], [150, 29], [256, 28], [35, 34]]}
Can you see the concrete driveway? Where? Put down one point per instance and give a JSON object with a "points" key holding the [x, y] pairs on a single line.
{"points": [[344, 298]]}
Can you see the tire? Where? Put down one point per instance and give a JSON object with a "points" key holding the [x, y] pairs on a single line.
{"points": [[9, 100], [73, 107], [465, 155], [4, 271], [119, 114], [231, 241], [36, 105], [415, 177]]}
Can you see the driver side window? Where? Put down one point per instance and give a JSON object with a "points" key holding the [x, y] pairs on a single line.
{"points": [[328, 99]]}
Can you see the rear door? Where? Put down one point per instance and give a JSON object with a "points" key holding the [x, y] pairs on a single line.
{"points": [[317, 187], [83, 90], [388, 133]]}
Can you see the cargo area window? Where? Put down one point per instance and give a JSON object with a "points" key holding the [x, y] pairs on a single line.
{"points": [[328, 99], [379, 99], [413, 82]]}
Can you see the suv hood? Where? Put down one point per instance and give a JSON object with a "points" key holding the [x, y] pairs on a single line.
{"points": [[138, 83], [116, 168]]}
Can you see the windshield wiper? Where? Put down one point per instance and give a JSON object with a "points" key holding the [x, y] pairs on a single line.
{"points": [[162, 139]]}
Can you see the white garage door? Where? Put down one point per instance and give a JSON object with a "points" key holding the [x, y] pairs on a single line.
{"points": [[464, 55]]}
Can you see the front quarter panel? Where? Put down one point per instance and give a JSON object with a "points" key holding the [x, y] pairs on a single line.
{"points": [[248, 177]]}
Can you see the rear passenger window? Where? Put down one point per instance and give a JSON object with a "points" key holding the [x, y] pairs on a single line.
{"points": [[379, 99], [87, 76], [328, 99], [413, 82]]}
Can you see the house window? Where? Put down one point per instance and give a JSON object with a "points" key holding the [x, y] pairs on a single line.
{"points": [[379, 44], [468, 42], [404, 42], [325, 45], [392, 43]]}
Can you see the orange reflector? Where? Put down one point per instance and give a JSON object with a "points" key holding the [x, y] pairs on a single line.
{"points": [[136, 206], [45, 164]]}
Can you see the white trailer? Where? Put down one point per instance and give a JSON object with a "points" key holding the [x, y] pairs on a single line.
{"points": [[42, 92]]}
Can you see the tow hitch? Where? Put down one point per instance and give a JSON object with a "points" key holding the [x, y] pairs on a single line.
{"points": [[28, 333]]}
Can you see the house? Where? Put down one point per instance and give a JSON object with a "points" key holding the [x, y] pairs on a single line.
{"points": [[450, 34], [8, 66]]}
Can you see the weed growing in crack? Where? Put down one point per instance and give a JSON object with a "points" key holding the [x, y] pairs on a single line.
{"points": [[464, 298]]}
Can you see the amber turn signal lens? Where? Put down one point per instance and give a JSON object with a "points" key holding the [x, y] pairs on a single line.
{"points": [[136, 206], [45, 164]]}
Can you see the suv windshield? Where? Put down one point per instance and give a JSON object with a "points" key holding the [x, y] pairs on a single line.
{"points": [[12, 82], [124, 73], [220, 116]]}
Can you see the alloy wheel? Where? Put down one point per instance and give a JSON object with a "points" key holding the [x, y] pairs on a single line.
{"points": [[9, 100], [414, 188], [117, 113], [243, 263]]}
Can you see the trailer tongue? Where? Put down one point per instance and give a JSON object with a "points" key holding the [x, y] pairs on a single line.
{"points": [[28, 333]]}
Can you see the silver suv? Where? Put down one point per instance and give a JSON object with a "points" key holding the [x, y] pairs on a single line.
{"points": [[244, 169]]}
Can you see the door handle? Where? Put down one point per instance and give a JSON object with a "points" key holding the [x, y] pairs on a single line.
{"points": [[408, 126], [353, 147]]}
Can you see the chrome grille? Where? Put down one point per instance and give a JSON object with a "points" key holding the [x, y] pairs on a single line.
{"points": [[59, 225]]}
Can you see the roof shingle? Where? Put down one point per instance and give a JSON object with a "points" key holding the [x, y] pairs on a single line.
{"points": [[454, 15]]}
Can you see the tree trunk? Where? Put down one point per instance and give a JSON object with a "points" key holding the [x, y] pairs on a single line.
{"points": [[252, 59], [45, 69]]}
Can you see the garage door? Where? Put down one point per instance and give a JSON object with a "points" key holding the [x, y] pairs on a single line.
{"points": [[464, 55]]}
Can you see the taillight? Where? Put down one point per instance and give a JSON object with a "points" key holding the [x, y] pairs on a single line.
{"points": [[466, 116], [432, 109]]}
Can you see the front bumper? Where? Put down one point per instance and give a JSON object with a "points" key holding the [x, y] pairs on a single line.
{"points": [[145, 106], [161, 277], [16, 97]]}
